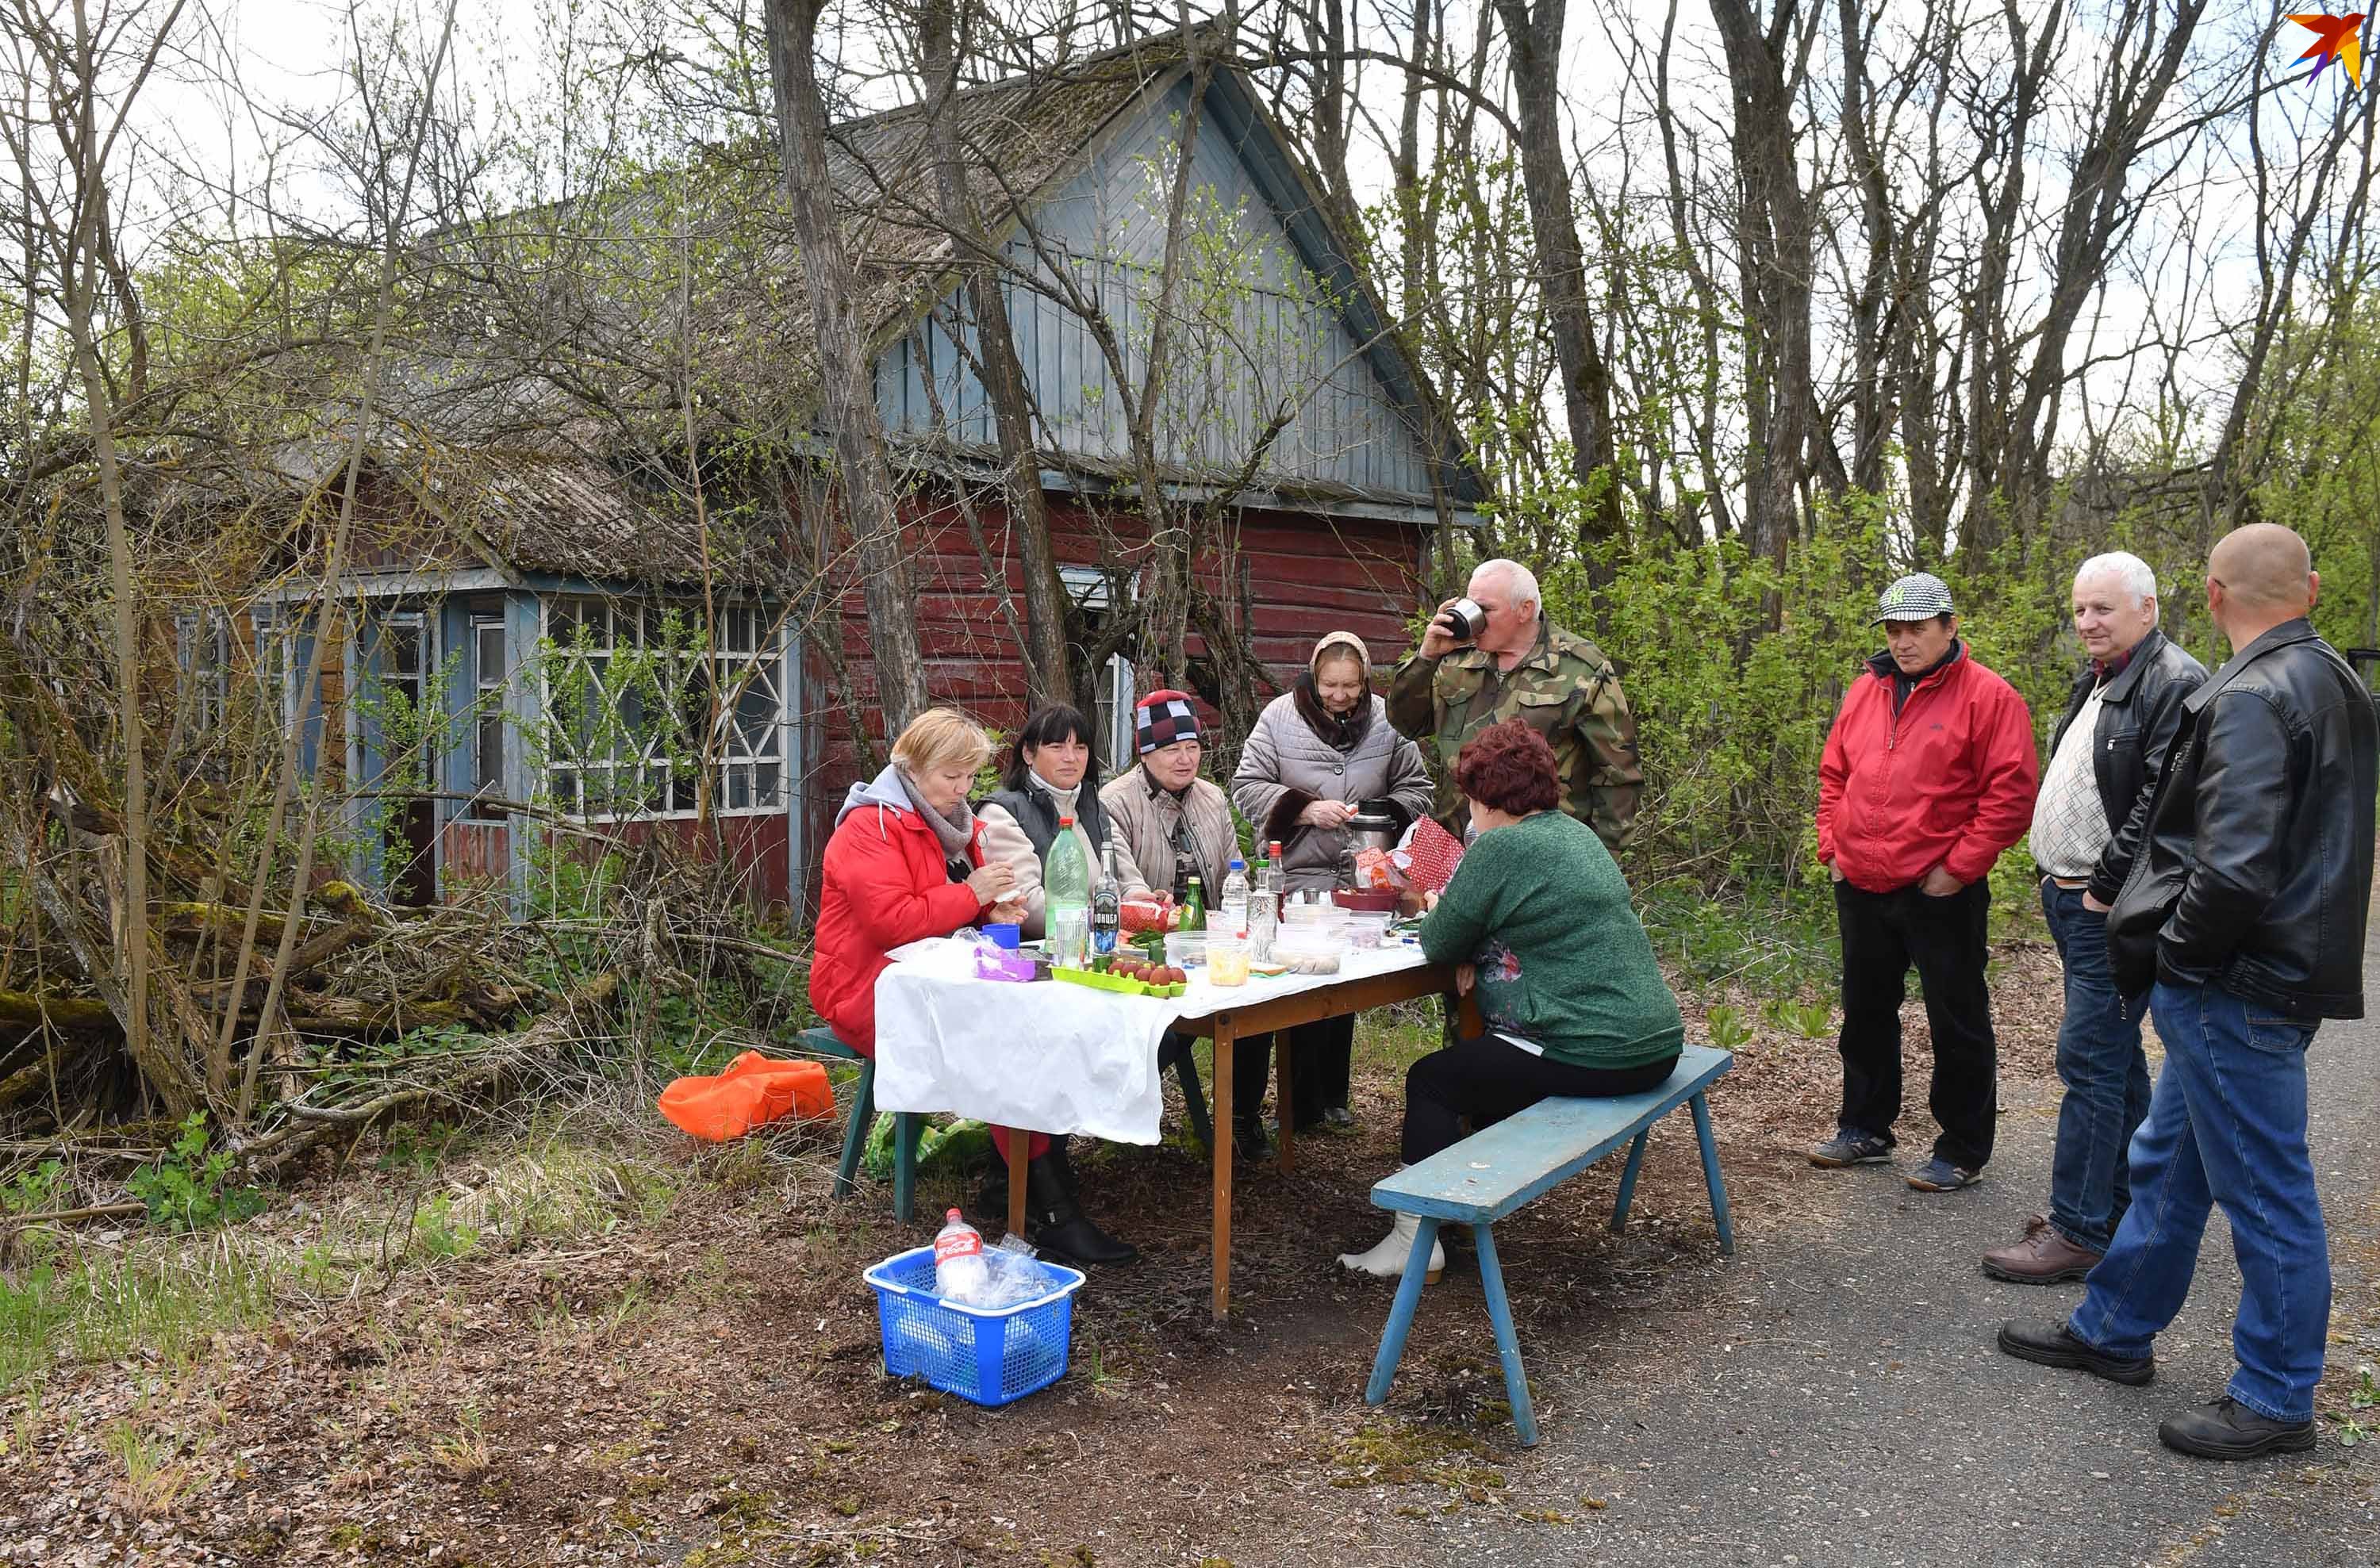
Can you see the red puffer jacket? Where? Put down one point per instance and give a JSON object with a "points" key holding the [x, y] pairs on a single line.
{"points": [[884, 882], [1950, 780]]}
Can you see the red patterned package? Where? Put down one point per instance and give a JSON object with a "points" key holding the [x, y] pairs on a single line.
{"points": [[1428, 856]]}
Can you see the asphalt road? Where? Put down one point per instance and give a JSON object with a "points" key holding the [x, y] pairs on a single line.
{"points": [[1851, 1408]]}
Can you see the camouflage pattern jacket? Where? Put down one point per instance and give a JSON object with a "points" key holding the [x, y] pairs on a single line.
{"points": [[1564, 687]]}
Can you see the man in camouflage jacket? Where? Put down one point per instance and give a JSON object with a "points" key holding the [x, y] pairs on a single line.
{"points": [[1522, 664]]}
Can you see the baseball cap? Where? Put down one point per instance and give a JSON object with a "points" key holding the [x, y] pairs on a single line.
{"points": [[1921, 595]]}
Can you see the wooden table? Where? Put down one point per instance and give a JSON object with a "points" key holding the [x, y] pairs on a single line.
{"points": [[1273, 1016]]}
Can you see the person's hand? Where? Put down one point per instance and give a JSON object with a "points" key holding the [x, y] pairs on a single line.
{"points": [[991, 883], [1939, 884], [1438, 637], [2093, 905], [1429, 900], [1326, 815], [1834, 871], [1008, 912], [1465, 977]]}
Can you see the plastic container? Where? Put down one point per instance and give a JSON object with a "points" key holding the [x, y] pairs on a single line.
{"points": [[960, 1273], [1185, 950], [1227, 961], [1366, 931], [987, 1355]]}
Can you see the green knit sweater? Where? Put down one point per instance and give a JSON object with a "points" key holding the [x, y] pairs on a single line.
{"points": [[1543, 912]]}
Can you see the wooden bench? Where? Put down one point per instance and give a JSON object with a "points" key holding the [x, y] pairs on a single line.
{"points": [[823, 1042], [1498, 1168]]}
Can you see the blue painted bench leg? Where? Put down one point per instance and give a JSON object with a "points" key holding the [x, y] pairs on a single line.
{"points": [[1400, 1315], [1508, 1344], [1628, 1181], [1712, 1178], [855, 1137]]}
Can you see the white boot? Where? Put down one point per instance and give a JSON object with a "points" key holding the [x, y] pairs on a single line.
{"points": [[1387, 1259]]}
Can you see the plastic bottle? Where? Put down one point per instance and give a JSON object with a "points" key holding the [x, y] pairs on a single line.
{"points": [[1193, 909], [960, 1273], [1234, 907], [1066, 898], [1264, 907], [1107, 905]]}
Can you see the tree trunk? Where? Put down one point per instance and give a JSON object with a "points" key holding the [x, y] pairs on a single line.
{"points": [[1774, 248], [846, 386], [1044, 649], [1536, 44]]}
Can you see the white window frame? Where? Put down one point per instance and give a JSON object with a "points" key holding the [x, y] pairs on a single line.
{"points": [[204, 639], [754, 764], [1087, 586]]}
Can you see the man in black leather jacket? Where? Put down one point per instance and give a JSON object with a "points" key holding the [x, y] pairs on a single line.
{"points": [[2088, 822], [2247, 907]]}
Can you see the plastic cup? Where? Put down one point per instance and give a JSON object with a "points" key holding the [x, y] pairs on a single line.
{"points": [[1004, 934]]}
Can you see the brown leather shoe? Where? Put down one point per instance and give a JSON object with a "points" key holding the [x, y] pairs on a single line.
{"points": [[2043, 1257]]}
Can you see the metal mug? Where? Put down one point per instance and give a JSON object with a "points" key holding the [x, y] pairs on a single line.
{"points": [[1465, 619]]}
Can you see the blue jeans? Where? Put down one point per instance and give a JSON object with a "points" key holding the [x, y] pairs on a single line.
{"points": [[2226, 1125], [2106, 1073]]}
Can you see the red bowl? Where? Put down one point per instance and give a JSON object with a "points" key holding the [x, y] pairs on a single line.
{"points": [[1373, 898]]}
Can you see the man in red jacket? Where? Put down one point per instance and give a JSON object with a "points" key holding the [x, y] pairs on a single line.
{"points": [[1928, 775]]}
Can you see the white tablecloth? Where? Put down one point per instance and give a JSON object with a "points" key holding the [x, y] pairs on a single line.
{"points": [[1047, 1055]]}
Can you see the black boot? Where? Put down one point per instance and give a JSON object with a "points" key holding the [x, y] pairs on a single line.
{"points": [[1056, 1224], [1061, 1157], [1250, 1141]]}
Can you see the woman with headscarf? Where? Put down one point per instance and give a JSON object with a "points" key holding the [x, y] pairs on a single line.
{"points": [[1318, 753], [906, 861]]}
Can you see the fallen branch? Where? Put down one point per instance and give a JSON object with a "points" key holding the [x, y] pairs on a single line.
{"points": [[95, 1212], [309, 1125], [54, 1009]]}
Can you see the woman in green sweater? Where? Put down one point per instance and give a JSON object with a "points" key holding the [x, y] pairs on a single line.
{"points": [[1536, 918]]}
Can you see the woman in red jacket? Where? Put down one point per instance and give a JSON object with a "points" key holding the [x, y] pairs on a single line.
{"points": [[906, 863]]}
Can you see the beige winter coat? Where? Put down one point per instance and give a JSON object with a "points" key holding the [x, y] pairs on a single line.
{"points": [[1141, 819]]}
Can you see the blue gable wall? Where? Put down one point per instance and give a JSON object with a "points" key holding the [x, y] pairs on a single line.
{"points": [[1268, 330]]}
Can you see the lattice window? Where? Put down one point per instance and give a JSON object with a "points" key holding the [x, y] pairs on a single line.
{"points": [[628, 692]]}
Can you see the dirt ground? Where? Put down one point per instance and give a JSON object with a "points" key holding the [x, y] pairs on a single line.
{"points": [[598, 1343]]}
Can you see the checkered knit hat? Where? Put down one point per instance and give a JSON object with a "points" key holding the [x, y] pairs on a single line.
{"points": [[1162, 718], [1921, 595]]}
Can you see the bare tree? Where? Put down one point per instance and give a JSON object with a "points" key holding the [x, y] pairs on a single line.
{"points": [[869, 501]]}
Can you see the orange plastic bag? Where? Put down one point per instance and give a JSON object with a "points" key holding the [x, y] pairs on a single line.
{"points": [[753, 1091]]}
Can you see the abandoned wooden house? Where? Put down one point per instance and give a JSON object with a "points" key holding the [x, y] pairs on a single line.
{"points": [[505, 585]]}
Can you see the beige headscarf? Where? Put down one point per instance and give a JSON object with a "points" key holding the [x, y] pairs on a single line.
{"points": [[1344, 734]]}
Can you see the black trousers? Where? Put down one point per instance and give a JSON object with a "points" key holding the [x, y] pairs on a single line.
{"points": [[1484, 1077], [1884, 934], [1321, 1057]]}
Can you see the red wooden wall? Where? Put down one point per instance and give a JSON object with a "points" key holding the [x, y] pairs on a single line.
{"points": [[1308, 574]]}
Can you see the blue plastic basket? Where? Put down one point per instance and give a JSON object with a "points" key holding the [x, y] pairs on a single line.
{"points": [[989, 1355]]}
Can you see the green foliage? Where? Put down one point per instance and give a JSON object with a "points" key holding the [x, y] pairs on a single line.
{"points": [[187, 1189], [438, 1234], [1726, 1026], [34, 1190], [1811, 1020]]}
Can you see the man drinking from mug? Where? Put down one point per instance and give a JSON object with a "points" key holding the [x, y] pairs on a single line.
{"points": [[1517, 664]]}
